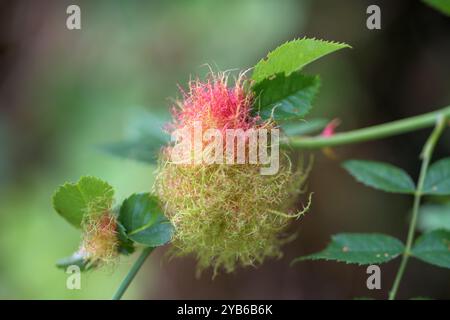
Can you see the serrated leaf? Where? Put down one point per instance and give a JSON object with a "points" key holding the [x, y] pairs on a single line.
{"points": [[437, 180], [359, 248], [286, 97], [76, 259], [89, 195], [434, 248], [434, 217], [440, 5], [292, 56], [146, 139], [381, 176], [144, 220], [303, 127]]}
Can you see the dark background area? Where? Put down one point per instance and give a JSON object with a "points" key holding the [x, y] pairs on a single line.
{"points": [[63, 92]]}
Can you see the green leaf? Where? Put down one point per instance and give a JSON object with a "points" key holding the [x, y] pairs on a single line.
{"points": [[76, 259], [89, 195], [292, 56], [441, 5], [437, 180], [286, 97], [143, 149], [146, 139], [434, 248], [126, 245], [380, 176], [359, 248], [303, 127], [433, 217], [144, 221]]}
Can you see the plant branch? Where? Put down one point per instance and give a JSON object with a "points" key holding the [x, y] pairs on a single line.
{"points": [[426, 158], [132, 273], [370, 133]]}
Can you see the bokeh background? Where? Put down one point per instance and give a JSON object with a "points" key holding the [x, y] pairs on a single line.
{"points": [[63, 93]]}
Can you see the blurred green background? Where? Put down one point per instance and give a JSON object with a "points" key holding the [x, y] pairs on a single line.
{"points": [[63, 93]]}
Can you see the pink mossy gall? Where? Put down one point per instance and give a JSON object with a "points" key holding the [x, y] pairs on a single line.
{"points": [[226, 215], [100, 241]]}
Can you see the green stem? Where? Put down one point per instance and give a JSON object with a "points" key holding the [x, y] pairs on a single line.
{"points": [[132, 273], [370, 133], [426, 158]]}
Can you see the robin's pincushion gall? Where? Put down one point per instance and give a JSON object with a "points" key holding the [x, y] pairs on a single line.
{"points": [[224, 214], [100, 239]]}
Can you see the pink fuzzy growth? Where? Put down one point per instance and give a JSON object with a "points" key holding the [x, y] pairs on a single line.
{"points": [[331, 128], [215, 105]]}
